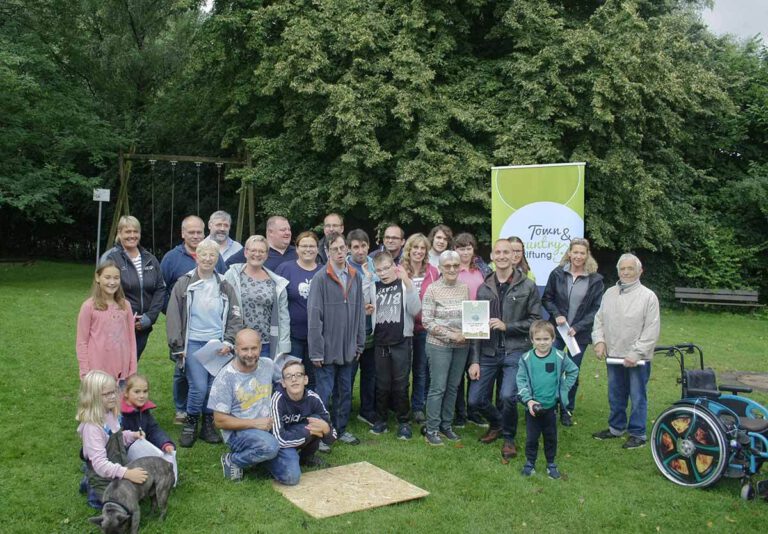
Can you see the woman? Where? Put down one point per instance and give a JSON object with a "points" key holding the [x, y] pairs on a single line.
{"points": [[446, 347], [140, 277], [263, 298], [203, 307], [572, 296], [422, 274], [440, 240], [472, 272], [299, 274]]}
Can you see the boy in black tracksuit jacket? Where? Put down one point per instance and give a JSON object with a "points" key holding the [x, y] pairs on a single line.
{"points": [[299, 418]]}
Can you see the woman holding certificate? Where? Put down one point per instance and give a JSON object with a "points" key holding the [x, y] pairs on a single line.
{"points": [[572, 298], [446, 347]]}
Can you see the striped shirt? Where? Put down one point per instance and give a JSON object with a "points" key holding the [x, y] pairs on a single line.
{"points": [[441, 312]]}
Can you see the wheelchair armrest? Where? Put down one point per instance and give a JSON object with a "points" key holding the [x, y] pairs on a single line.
{"points": [[734, 389], [699, 392]]}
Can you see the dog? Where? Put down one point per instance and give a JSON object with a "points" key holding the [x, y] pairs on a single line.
{"points": [[121, 508]]}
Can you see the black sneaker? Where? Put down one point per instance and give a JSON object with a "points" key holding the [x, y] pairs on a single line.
{"points": [[528, 470], [231, 471], [459, 422], [605, 434], [449, 434], [189, 432], [433, 439], [477, 420], [633, 442], [379, 428], [566, 419], [349, 438], [314, 461], [552, 472], [404, 431], [208, 432]]}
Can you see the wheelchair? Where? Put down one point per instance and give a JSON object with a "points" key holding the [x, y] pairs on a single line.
{"points": [[711, 432]]}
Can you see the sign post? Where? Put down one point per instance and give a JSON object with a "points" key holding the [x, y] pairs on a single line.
{"points": [[100, 196]]}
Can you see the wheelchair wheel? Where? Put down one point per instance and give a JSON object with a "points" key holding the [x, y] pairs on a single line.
{"points": [[690, 446]]}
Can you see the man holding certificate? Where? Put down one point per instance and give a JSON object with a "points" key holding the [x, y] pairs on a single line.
{"points": [[514, 304]]}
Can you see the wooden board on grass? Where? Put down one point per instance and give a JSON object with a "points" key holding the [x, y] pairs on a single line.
{"points": [[348, 488]]}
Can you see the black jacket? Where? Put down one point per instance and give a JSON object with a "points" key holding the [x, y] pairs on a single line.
{"points": [[146, 296], [135, 419], [522, 306], [555, 301]]}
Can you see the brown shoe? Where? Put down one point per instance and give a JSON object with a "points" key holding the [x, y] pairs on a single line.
{"points": [[491, 435], [508, 450]]}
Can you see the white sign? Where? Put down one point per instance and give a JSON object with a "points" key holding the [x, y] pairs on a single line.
{"points": [[475, 319], [101, 195]]}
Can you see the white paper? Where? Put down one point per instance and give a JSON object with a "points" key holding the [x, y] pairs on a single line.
{"points": [[620, 361], [209, 356], [570, 341], [475, 319]]}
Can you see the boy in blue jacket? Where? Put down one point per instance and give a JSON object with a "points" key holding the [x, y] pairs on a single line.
{"points": [[299, 419], [544, 378]]}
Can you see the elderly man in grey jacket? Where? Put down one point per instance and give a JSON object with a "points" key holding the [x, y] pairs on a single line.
{"points": [[336, 331], [626, 330]]}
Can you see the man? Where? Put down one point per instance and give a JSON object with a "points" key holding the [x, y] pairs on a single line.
{"points": [[514, 305], [279, 239], [299, 418], [333, 222], [176, 263], [218, 226], [358, 258], [394, 239], [241, 402], [627, 327], [336, 336]]}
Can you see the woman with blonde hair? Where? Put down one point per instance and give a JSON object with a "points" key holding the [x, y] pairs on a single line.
{"points": [[416, 264], [140, 277], [572, 296]]}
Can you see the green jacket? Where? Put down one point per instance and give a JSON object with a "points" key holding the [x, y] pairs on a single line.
{"points": [[565, 373]]}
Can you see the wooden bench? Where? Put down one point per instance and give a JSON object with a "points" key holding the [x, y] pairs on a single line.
{"points": [[717, 297]]}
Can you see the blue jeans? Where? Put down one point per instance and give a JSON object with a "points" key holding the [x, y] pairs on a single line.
{"points": [[336, 380], [419, 393], [481, 391], [446, 367], [252, 446], [199, 379], [560, 344], [180, 388], [367, 365], [628, 384], [300, 349]]}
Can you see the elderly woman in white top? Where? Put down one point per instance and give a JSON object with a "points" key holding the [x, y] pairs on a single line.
{"points": [[262, 297]]}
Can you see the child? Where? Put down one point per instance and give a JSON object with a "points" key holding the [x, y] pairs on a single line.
{"points": [[397, 304], [137, 417], [106, 335], [544, 378], [299, 418], [104, 445]]}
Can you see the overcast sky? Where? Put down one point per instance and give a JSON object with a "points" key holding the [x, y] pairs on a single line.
{"points": [[743, 18]]}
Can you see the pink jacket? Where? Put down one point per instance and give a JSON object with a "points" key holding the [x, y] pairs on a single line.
{"points": [[431, 275], [106, 340], [95, 446]]}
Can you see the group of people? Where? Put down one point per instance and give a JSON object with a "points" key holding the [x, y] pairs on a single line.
{"points": [[266, 336]]}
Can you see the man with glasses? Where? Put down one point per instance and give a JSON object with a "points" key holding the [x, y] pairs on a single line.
{"points": [[336, 335], [333, 222], [394, 239], [299, 418], [514, 305]]}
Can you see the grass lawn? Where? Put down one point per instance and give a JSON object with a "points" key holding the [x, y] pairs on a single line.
{"points": [[604, 488]]}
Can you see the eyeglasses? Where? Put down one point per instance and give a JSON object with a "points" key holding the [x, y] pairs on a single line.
{"points": [[108, 394], [342, 249], [294, 376], [384, 268], [450, 266]]}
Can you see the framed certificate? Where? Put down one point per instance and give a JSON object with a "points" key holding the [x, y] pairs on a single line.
{"points": [[475, 319]]}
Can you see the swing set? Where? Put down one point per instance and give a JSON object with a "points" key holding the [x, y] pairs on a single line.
{"points": [[247, 196]]}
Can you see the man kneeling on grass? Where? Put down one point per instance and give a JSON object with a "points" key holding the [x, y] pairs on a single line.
{"points": [[300, 420], [240, 400]]}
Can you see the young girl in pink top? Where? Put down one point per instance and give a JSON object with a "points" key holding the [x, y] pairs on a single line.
{"points": [[104, 446], [106, 336]]}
